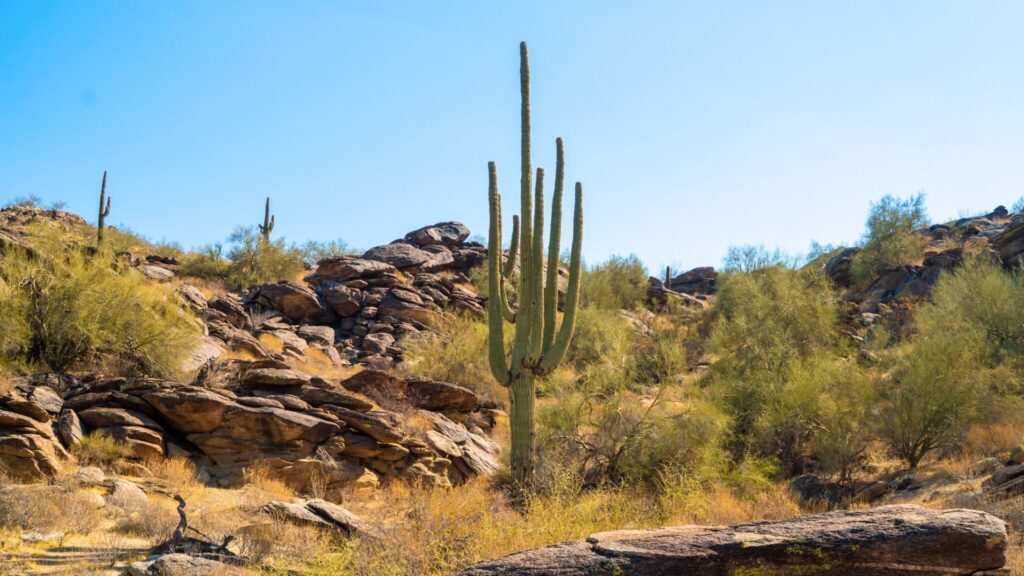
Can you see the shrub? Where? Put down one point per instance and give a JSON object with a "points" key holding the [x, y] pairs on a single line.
{"points": [[100, 449], [889, 238], [983, 302], [313, 251], [933, 396], [750, 258], [255, 261], [455, 352], [63, 308], [619, 283]]}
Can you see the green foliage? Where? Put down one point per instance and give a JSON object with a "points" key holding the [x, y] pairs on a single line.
{"points": [[100, 449], [889, 238], [619, 283], [65, 308], [983, 303], [750, 258], [933, 396], [455, 352], [774, 335], [313, 251], [255, 261]]}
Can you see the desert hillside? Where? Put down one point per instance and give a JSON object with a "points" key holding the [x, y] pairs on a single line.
{"points": [[313, 410]]}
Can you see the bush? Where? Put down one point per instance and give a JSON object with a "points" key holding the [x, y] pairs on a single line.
{"points": [[99, 449], [619, 283], [64, 308], [889, 239], [934, 395], [313, 251], [983, 302], [456, 352], [750, 258], [254, 261], [774, 336]]}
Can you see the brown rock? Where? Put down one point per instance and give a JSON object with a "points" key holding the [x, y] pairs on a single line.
{"points": [[884, 541]]}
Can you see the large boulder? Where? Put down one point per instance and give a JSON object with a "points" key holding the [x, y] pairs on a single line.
{"points": [[296, 301], [884, 541], [400, 255], [345, 268], [451, 234]]}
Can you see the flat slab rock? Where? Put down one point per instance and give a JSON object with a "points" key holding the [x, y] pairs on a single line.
{"points": [[885, 541]]}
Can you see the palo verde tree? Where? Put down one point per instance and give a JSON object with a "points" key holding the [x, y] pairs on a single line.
{"points": [[268, 223], [539, 343], [104, 210]]}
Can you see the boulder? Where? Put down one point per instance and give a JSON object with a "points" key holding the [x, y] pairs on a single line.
{"points": [[400, 255], [102, 417], [343, 300], [179, 565], [319, 513], [839, 267], [345, 268], [884, 541], [296, 301], [276, 377], [451, 234], [434, 395]]}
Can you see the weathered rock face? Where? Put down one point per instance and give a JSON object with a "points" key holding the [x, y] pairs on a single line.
{"points": [[302, 427], [882, 541], [29, 447]]}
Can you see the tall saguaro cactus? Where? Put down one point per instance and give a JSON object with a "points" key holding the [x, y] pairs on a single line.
{"points": [[101, 222], [268, 223], [540, 343]]}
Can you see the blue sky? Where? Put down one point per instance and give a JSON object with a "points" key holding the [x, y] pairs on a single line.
{"points": [[694, 126]]}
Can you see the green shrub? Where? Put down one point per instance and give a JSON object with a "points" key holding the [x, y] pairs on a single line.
{"points": [[455, 352], [619, 283], [254, 261], [207, 262], [933, 396], [750, 258], [889, 238], [100, 449], [980, 300], [774, 336], [66, 308], [313, 251]]}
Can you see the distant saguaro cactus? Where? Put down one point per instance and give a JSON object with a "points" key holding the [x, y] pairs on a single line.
{"points": [[538, 346], [101, 222], [668, 277], [268, 222]]}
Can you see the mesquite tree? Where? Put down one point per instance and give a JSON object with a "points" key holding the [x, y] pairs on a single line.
{"points": [[540, 343]]}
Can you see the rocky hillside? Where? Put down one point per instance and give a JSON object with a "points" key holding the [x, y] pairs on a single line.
{"points": [[288, 373]]}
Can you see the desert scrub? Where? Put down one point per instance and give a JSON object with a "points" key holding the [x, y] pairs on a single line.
{"points": [[455, 351], [65, 308], [889, 238], [100, 449], [618, 283]]}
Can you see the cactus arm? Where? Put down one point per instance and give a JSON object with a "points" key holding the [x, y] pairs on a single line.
{"points": [[268, 222], [520, 347], [506, 309], [551, 284], [558, 349], [537, 271], [495, 323], [513, 249]]}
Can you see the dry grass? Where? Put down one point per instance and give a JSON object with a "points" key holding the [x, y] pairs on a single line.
{"points": [[210, 287], [262, 485], [177, 475], [993, 439]]}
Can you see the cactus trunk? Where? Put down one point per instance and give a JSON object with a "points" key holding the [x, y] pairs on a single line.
{"points": [[268, 223], [538, 346], [521, 419]]}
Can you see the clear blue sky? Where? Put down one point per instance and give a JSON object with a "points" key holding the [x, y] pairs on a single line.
{"points": [[694, 126]]}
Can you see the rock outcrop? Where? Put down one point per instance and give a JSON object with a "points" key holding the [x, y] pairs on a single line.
{"points": [[347, 433], [882, 541]]}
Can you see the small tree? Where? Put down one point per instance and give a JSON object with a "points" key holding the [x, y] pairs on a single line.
{"points": [[933, 396], [889, 238]]}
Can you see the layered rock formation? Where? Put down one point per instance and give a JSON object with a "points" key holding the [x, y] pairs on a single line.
{"points": [[882, 541], [302, 427]]}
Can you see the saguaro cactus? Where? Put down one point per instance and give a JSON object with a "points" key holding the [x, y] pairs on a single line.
{"points": [[268, 222], [539, 343], [104, 209]]}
